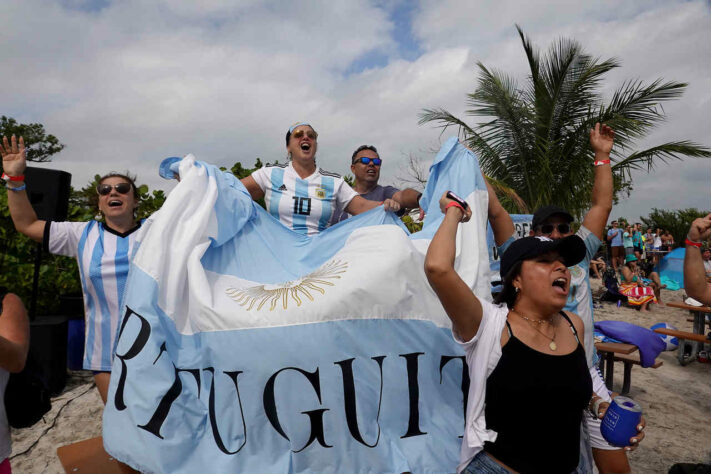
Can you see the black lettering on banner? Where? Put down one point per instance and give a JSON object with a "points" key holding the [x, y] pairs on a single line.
{"points": [[213, 418], [315, 416], [349, 396], [300, 203], [156, 422], [413, 424], [137, 346], [465, 378]]}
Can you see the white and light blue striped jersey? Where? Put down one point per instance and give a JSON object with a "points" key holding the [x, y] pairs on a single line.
{"points": [[103, 257], [308, 205]]}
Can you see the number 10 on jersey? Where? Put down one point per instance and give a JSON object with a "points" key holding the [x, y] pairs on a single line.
{"points": [[302, 205]]}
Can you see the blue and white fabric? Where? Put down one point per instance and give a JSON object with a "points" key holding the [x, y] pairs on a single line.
{"points": [[247, 347], [103, 258]]}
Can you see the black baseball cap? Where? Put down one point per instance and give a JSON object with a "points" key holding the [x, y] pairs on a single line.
{"points": [[543, 213], [571, 248]]}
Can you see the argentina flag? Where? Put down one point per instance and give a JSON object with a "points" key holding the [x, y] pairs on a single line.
{"points": [[247, 347]]}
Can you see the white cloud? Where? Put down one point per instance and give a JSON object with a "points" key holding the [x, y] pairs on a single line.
{"points": [[126, 85]]}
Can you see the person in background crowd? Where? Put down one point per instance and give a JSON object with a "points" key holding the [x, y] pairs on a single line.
{"points": [[637, 241], [695, 283], [102, 250], [614, 239], [302, 196], [639, 291], [706, 255], [365, 166], [657, 245], [14, 345], [597, 265], [627, 240], [648, 239], [667, 241]]}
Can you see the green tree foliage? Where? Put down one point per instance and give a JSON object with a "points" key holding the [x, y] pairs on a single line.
{"points": [[677, 222], [40, 146], [535, 138]]}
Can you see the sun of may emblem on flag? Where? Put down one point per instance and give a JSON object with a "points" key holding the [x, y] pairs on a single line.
{"points": [[262, 294], [320, 193]]}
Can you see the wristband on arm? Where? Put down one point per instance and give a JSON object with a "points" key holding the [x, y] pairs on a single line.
{"points": [[693, 243], [18, 178], [601, 162], [455, 204]]}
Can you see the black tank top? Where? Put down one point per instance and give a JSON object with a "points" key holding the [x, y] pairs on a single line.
{"points": [[535, 402]]}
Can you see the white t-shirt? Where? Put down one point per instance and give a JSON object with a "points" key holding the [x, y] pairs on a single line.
{"points": [[483, 352], [707, 266], [306, 206]]}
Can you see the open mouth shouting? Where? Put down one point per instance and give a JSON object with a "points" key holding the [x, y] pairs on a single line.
{"points": [[561, 285], [115, 203]]}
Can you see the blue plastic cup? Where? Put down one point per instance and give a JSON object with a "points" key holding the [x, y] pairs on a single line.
{"points": [[621, 421]]}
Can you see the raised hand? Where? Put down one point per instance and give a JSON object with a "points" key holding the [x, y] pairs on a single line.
{"points": [[700, 229], [13, 156], [602, 138]]}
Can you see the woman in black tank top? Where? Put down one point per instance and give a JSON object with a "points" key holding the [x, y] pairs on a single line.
{"points": [[540, 386]]}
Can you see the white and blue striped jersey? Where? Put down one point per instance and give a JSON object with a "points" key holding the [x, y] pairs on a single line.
{"points": [[103, 256], [306, 206]]}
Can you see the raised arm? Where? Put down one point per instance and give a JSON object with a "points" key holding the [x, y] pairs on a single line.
{"points": [[14, 164], [601, 140], [500, 220], [460, 304], [14, 334], [359, 205], [694, 274], [408, 198]]}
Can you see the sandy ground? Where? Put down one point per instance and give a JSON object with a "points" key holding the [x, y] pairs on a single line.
{"points": [[676, 400]]}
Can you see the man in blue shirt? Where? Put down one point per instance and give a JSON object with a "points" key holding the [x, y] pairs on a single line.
{"points": [[365, 165], [614, 237]]}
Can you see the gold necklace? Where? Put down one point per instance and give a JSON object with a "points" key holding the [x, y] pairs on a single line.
{"points": [[553, 346]]}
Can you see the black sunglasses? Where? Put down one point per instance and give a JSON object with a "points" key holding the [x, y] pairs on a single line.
{"points": [[121, 188], [547, 229], [366, 161]]}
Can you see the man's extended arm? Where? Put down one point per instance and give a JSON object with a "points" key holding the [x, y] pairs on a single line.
{"points": [[694, 274], [408, 198], [601, 141]]}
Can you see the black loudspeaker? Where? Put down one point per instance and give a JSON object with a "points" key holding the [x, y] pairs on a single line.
{"points": [[48, 346], [48, 191]]}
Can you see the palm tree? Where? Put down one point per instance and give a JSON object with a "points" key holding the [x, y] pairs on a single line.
{"points": [[534, 139]]}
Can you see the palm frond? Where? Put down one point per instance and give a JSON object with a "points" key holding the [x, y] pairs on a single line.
{"points": [[507, 193], [646, 160]]}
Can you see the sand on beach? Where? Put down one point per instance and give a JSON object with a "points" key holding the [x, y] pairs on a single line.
{"points": [[676, 401]]}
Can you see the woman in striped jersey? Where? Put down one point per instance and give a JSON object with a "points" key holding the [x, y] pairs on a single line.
{"points": [[302, 196], [102, 250]]}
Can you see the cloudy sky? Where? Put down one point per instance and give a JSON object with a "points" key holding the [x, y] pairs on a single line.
{"points": [[125, 84]]}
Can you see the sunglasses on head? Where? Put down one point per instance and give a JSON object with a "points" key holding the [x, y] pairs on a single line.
{"points": [[547, 229], [309, 133], [121, 188], [366, 160]]}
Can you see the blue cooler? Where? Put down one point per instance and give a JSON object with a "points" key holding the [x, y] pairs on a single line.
{"points": [[75, 344]]}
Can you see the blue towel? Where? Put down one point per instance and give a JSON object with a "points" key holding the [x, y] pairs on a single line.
{"points": [[672, 285], [649, 343]]}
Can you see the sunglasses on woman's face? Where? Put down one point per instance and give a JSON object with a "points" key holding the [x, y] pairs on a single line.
{"points": [[121, 188], [547, 229], [366, 160], [309, 133]]}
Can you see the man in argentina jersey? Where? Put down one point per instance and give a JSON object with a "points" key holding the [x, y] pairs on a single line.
{"points": [[102, 250], [303, 205], [302, 196]]}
